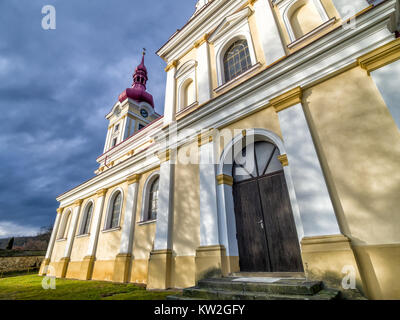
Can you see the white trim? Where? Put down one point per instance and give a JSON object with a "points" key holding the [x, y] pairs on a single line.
{"points": [[111, 230], [83, 235], [226, 214], [142, 223], [237, 78], [109, 208], [145, 196], [312, 32]]}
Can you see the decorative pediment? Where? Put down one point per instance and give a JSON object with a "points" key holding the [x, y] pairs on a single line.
{"points": [[186, 67], [229, 22]]}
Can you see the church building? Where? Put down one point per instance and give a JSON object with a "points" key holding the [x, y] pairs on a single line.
{"points": [[277, 153]]}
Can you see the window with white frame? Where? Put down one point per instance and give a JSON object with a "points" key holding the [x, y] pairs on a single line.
{"points": [[236, 59], [186, 83], [114, 211], [153, 200], [63, 231], [302, 17], [188, 94], [86, 219], [150, 198], [233, 45]]}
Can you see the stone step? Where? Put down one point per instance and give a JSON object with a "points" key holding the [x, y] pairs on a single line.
{"points": [[263, 285], [293, 275], [210, 294], [181, 298]]}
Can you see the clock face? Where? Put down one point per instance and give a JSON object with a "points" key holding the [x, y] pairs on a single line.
{"points": [[144, 113], [117, 111]]}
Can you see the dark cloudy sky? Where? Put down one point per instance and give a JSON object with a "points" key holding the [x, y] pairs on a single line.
{"points": [[56, 87]]}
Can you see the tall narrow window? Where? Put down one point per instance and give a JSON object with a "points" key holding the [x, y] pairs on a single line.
{"points": [[63, 231], [236, 60], [114, 143], [188, 94], [153, 200], [86, 219], [115, 211]]}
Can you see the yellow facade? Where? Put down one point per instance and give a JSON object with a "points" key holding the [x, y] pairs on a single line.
{"points": [[358, 146]]}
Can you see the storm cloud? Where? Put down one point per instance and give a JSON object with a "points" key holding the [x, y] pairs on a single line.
{"points": [[56, 87]]}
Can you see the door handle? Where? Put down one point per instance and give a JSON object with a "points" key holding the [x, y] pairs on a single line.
{"points": [[261, 223]]}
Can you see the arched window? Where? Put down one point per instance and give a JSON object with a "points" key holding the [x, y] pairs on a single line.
{"points": [[150, 198], [114, 211], [256, 160], [305, 19], [188, 94], [153, 200], [86, 218], [63, 231], [303, 16], [236, 59]]}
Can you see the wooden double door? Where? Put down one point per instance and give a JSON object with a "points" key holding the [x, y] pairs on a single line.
{"points": [[266, 231]]}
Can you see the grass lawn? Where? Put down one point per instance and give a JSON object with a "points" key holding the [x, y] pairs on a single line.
{"points": [[29, 287]]}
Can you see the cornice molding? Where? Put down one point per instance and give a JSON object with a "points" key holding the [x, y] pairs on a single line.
{"points": [[288, 99], [133, 179], [102, 192], [199, 42], [380, 57], [78, 203], [171, 65]]}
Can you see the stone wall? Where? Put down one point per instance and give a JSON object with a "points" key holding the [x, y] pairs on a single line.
{"points": [[11, 264]]}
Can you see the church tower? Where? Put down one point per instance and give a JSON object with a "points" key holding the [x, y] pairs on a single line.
{"points": [[133, 111]]}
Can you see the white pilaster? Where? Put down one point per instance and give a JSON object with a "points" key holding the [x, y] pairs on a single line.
{"points": [[386, 79], [203, 74], [170, 94], [53, 234], [348, 9], [165, 204], [108, 137], [72, 229], [130, 216], [124, 129], [95, 228], [226, 222], [316, 210], [270, 38], [209, 234]]}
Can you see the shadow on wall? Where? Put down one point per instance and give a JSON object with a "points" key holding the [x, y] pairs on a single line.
{"points": [[359, 148]]}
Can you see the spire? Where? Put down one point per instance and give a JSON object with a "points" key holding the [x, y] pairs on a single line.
{"points": [[138, 91], [140, 76]]}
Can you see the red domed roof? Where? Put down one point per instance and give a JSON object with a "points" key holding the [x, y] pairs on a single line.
{"points": [[138, 91]]}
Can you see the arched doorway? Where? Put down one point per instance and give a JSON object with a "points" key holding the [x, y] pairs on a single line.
{"points": [[266, 230]]}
